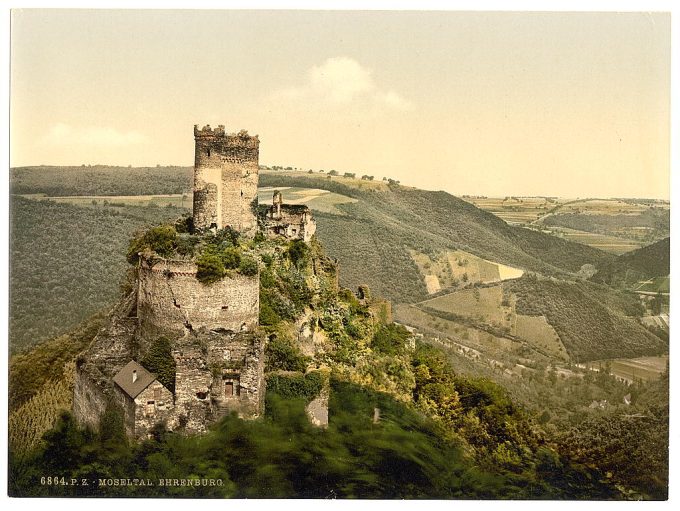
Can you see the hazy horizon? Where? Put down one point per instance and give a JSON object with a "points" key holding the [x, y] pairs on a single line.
{"points": [[474, 103]]}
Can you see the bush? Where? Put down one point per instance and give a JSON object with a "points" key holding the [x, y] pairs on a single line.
{"points": [[159, 360], [268, 316], [248, 266], [160, 239], [305, 386], [231, 258], [210, 268], [390, 339], [185, 224], [298, 251], [185, 245], [282, 355]]}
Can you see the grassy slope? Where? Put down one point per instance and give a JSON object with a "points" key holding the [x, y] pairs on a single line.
{"points": [[651, 261], [373, 239], [590, 319]]}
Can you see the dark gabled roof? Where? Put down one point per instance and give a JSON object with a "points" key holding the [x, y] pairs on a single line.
{"points": [[133, 388]]}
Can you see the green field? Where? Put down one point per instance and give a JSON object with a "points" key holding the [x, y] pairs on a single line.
{"points": [[633, 369], [656, 285], [176, 200], [318, 200], [613, 225], [604, 242]]}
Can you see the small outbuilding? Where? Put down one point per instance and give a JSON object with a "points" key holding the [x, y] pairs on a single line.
{"points": [[145, 401]]}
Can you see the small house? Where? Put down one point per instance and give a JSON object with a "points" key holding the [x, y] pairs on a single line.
{"points": [[145, 401]]}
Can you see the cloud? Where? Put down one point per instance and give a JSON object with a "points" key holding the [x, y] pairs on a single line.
{"points": [[340, 81], [94, 136]]}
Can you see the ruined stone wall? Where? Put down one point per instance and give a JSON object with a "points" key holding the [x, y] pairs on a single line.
{"points": [[237, 366], [226, 173], [127, 405], [171, 300], [293, 222], [193, 380], [89, 399], [112, 348]]}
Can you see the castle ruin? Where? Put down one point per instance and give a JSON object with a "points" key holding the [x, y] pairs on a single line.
{"points": [[211, 329]]}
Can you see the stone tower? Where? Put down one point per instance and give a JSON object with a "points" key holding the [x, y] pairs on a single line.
{"points": [[226, 170]]}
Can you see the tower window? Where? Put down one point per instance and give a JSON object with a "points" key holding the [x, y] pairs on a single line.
{"points": [[207, 152]]}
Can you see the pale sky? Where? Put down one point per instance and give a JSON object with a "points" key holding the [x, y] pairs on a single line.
{"points": [[567, 104]]}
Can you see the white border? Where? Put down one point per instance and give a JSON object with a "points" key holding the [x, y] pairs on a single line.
{"points": [[464, 5]]}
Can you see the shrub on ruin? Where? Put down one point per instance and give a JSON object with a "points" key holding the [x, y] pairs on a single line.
{"points": [[160, 239], [268, 316], [209, 268], [305, 386], [248, 266], [186, 245], [298, 252], [390, 339], [282, 355], [231, 258], [159, 360], [267, 259], [185, 224]]}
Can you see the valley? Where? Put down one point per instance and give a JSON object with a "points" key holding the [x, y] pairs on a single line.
{"points": [[558, 324]]}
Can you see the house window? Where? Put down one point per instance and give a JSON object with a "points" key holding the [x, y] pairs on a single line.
{"points": [[150, 407], [157, 394], [201, 395]]}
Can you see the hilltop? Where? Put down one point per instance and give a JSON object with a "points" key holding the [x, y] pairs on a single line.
{"points": [[372, 240], [651, 261]]}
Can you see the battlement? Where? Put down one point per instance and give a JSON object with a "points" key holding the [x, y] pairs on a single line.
{"points": [[240, 139]]}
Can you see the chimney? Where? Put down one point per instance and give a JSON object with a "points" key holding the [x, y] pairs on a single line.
{"points": [[134, 375]]}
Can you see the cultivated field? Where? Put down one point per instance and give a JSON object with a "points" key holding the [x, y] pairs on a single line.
{"points": [[178, 200], [653, 286], [516, 210], [632, 369], [455, 268], [612, 244], [482, 304], [540, 335], [316, 199]]}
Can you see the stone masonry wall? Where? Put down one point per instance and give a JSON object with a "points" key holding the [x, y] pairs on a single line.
{"points": [[171, 300], [110, 351], [147, 415], [237, 361], [192, 388], [89, 399], [230, 162]]}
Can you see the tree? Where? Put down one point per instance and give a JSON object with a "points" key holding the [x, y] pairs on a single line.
{"points": [[160, 239], [159, 360], [210, 268]]}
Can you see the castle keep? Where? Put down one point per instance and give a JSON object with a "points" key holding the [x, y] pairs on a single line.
{"points": [[205, 331], [225, 180]]}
